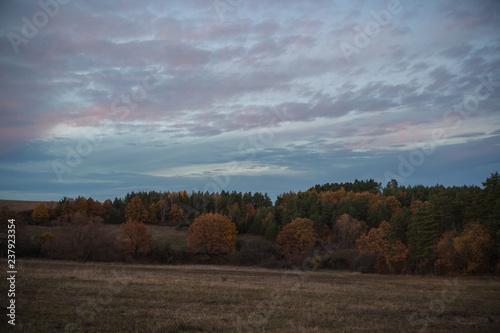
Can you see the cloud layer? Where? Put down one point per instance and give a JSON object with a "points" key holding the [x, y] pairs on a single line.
{"points": [[99, 98]]}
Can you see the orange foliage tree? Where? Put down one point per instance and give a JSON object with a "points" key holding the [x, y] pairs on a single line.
{"points": [[393, 256], [95, 208], [136, 211], [176, 213], [297, 236], [212, 234], [136, 238], [41, 213], [332, 197], [447, 259]]}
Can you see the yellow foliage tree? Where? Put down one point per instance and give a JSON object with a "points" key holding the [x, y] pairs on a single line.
{"points": [[212, 234], [83, 206], [41, 213], [136, 211], [474, 248], [153, 213]]}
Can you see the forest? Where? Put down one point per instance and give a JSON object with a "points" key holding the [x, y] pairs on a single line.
{"points": [[360, 225]]}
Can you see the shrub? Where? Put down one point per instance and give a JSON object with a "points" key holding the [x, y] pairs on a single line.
{"points": [[165, 254], [256, 250], [81, 238], [340, 259], [365, 263]]}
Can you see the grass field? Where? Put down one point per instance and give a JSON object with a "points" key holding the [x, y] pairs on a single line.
{"points": [[57, 296]]}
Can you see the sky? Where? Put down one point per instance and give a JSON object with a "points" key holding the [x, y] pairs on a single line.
{"points": [[101, 98]]}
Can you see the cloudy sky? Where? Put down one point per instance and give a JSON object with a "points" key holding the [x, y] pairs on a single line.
{"points": [[99, 98]]}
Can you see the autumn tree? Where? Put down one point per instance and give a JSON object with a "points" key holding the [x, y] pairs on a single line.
{"points": [[375, 241], [348, 230], [176, 213], [474, 248], [249, 215], [153, 213], [82, 206], [95, 208], [136, 238], [233, 212], [212, 235], [136, 211], [392, 255], [163, 210], [297, 236], [447, 258], [326, 235], [41, 213]]}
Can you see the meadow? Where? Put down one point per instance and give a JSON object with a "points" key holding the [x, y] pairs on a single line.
{"points": [[62, 296]]}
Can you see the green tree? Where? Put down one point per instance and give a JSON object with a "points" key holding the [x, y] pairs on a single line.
{"points": [[491, 204], [271, 229], [423, 231]]}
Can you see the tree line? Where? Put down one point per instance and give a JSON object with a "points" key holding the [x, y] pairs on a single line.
{"points": [[361, 225]]}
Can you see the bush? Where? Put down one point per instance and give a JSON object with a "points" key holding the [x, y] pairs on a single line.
{"points": [[365, 263], [81, 238], [256, 250], [340, 259], [289, 262], [165, 254]]}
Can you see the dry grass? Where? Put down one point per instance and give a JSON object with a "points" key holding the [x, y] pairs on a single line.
{"points": [[53, 296]]}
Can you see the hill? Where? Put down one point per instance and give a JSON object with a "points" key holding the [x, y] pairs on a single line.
{"points": [[21, 205]]}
